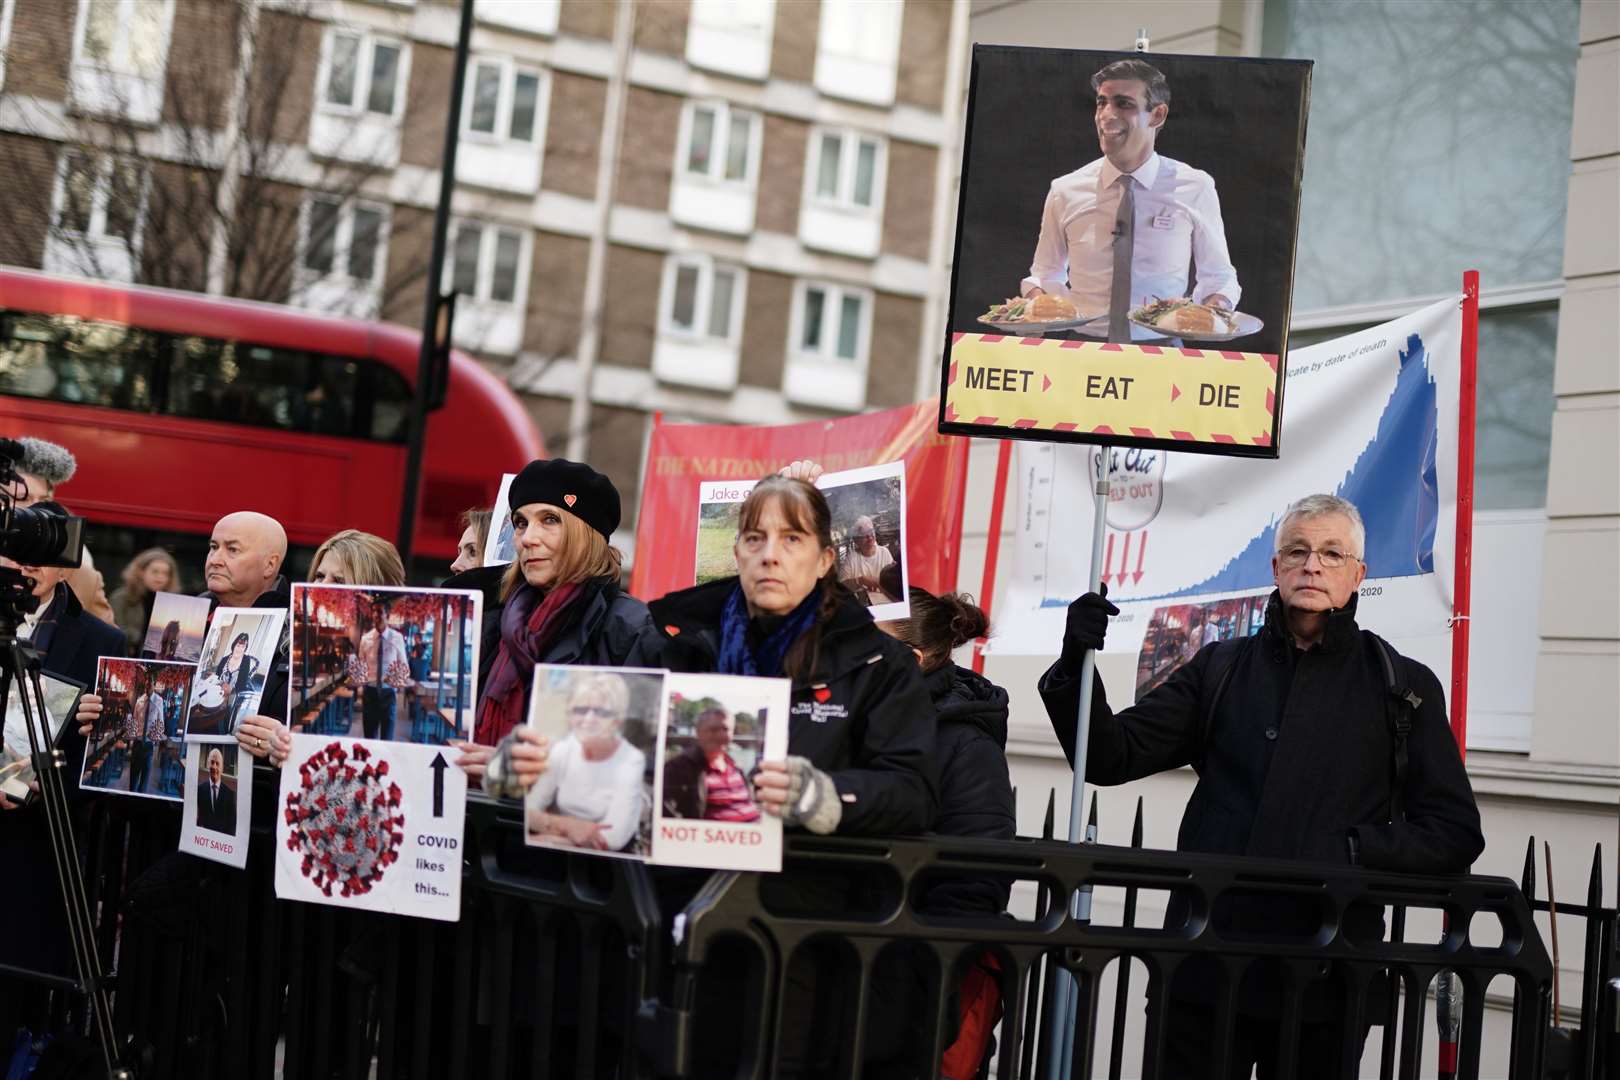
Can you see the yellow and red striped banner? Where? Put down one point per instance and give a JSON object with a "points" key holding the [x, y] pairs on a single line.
{"points": [[1035, 384]]}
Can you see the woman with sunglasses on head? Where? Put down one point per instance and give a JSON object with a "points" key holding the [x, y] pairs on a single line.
{"points": [[558, 602]]}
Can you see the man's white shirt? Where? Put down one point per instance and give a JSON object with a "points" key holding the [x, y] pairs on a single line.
{"points": [[1178, 221]]}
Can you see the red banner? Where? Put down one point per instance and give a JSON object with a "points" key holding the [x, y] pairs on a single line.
{"points": [[682, 456]]}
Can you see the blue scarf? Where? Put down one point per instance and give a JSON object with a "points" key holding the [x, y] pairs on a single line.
{"points": [[736, 658]]}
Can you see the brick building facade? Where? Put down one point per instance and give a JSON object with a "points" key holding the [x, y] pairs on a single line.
{"points": [[769, 253]]}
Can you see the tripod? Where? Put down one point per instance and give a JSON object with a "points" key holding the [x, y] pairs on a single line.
{"points": [[19, 668]]}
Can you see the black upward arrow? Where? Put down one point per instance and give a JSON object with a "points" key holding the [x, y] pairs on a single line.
{"points": [[438, 765]]}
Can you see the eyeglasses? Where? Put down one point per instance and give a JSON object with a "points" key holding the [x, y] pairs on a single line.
{"points": [[1299, 555], [593, 710]]}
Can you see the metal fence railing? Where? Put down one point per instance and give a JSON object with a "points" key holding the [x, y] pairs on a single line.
{"points": [[568, 965]]}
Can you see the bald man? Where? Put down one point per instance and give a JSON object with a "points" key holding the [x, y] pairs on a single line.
{"points": [[245, 554]]}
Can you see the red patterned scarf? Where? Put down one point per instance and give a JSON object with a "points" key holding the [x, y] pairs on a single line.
{"points": [[529, 624]]}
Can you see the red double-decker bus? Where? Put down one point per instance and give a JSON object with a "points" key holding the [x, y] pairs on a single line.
{"points": [[182, 407]]}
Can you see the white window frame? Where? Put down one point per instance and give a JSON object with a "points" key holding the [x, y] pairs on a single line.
{"points": [[97, 230], [831, 313], [126, 9], [505, 101], [842, 75], [7, 9], [342, 240], [850, 140], [485, 284], [485, 11], [725, 48], [706, 267], [720, 153], [369, 40]]}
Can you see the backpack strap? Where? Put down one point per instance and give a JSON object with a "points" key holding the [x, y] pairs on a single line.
{"points": [[1400, 705]]}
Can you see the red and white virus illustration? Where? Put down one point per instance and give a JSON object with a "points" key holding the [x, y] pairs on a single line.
{"points": [[346, 819]]}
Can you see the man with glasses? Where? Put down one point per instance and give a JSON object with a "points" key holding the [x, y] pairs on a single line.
{"points": [[1295, 737]]}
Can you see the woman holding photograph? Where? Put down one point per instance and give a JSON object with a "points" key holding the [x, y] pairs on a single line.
{"points": [[558, 602], [593, 789]]}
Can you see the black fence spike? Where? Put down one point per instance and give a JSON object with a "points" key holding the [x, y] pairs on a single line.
{"points": [[1594, 887], [1091, 818], [1527, 881], [1051, 814], [1136, 826]]}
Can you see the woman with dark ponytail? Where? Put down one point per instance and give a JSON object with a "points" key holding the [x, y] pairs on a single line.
{"points": [[975, 799], [975, 793]]}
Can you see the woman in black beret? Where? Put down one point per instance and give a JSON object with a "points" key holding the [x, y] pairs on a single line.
{"points": [[557, 602]]}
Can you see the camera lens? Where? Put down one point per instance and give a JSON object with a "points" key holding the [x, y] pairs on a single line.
{"points": [[42, 538]]}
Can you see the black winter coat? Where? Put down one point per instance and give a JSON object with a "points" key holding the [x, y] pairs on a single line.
{"points": [[609, 628], [975, 792], [1298, 755], [862, 715]]}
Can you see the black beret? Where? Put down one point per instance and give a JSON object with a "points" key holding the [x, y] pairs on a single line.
{"points": [[572, 485]]}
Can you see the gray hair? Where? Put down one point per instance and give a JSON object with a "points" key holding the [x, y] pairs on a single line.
{"points": [[51, 463], [1315, 506]]}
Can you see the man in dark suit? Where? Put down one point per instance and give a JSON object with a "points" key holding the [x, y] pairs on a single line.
{"points": [[216, 803]]}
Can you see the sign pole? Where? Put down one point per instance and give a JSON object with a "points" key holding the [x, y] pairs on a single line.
{"points": [[992, 545], [1061, 1029]]}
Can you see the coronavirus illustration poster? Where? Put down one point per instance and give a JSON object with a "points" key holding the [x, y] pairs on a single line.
{"points": [[371, 825]]}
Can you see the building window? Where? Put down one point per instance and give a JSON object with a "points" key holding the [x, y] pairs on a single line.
{"points": [[531, 16], [7, 9], [731, 36], [486, 262], [344, 239], [99, 198], [121, 48], [832, 324], [699, 322], [858, 49], [503, 101], [362, 74], [717, 167], [848, 169], [719, 143], [701, 299]]}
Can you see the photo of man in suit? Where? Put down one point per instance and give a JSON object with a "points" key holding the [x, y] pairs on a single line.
{"points": [[216, 803]]}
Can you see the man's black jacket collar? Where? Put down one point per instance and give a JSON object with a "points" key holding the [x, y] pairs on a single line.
{"points": [[1340, 633]]}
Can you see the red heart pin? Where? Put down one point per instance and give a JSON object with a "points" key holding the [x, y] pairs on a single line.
{"points": [[570, 500], [823, 694]]}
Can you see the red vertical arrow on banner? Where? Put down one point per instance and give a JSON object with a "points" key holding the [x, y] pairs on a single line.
{"points": [[1108, 558], [1141, 552], [1124, 561]]}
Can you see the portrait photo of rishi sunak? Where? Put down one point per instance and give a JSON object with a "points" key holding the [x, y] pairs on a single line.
{"points": [[1130, 197]]}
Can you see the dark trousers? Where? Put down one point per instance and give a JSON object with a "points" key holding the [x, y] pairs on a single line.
{"points": [[1189, 1047], [140, 759], [377, 711]]}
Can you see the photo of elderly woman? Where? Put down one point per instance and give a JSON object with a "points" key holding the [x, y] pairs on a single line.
{"points": [[600, 725], [236, 655]]}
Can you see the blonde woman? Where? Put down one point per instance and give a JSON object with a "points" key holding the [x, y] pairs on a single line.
{"points": [[593, 790], [149, 573], [350, 557], [560, 603]]}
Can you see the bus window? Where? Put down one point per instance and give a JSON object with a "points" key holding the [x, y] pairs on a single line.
{"points": [[65, 358], [243, 383], [390, 405]]}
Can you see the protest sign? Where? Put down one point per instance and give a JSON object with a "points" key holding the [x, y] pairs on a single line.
{"points": [[1097, 292], [500, 544], [1373, 418], [868, 508], [371, 825], [137, 745], [236, 657], [16, 749], [175, 630], [716, 730], [682, 457], [384, 662], [218, 803]]}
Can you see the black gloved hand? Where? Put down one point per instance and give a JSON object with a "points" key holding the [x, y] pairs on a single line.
{"points": [[1087, 626]]}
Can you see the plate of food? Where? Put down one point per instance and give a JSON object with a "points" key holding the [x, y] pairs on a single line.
{"points": [[1181, 318], [1030, 315]]}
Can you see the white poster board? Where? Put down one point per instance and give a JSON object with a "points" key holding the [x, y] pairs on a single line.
{"points": [[218, 803]]}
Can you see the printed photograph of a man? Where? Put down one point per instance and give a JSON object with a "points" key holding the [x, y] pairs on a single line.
{"points": [[216, 794], [1144, 198], [703, 781], [1132, 226]]}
